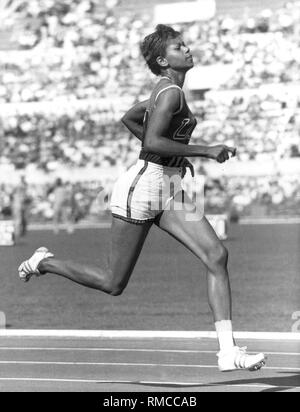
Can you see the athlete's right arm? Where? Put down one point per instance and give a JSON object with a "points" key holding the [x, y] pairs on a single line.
{"points": [[133, 119], [159, 123]]}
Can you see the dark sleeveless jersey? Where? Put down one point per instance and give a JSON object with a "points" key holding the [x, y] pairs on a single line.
{"points": [[180, 130]]}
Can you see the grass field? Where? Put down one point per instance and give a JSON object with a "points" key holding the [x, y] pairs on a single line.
{"points": [[167, 290]]}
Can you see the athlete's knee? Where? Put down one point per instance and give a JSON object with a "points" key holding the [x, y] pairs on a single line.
{"points": [[116, 291], [218, 256], [115, 282]]}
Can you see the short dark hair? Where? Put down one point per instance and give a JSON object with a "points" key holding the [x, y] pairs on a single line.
{"points": [[154, 45]]}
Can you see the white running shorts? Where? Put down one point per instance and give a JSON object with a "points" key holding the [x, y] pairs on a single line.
{"points": [[142, 193]]}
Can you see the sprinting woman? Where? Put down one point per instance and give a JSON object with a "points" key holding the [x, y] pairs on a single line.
{"points": [[142, 197]]}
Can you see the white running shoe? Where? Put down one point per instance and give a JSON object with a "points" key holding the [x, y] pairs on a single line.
{"points": [[238, 359], [30, 267]]}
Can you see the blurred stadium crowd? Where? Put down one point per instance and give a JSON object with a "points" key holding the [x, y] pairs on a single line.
{"points": [[78, 50], [75, 50]]}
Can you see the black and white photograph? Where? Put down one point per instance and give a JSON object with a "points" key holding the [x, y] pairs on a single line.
{"points": [[149, 199]]}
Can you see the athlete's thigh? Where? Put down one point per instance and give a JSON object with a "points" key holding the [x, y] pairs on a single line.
{"points": [[127, 240], [190, 227]]}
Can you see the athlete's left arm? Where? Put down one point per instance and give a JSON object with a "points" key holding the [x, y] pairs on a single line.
{"points": [[133, 119]]}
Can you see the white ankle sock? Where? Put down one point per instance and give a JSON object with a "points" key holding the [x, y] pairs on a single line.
{"points": [[225, 334]]}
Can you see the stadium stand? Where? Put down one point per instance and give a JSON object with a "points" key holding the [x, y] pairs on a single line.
{"points": [[68, 53]]}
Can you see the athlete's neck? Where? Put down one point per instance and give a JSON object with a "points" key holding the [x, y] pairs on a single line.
{"points": [[177, 78]]}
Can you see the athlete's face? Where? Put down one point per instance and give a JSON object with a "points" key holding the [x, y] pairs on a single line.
{"points": [[179, 55]]}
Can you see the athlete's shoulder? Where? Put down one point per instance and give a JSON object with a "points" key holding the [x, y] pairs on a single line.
{"points": [[168, 94]]}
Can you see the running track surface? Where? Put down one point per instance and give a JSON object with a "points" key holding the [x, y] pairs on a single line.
{"points": [[140, 365]]}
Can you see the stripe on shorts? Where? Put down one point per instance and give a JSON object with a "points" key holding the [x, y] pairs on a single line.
{"points": [[132, 187]]}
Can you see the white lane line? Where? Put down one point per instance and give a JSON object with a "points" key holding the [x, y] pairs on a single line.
{"points": [[147, 334], [218, 384], [124, 382], [69, 349], [168, 365]]}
